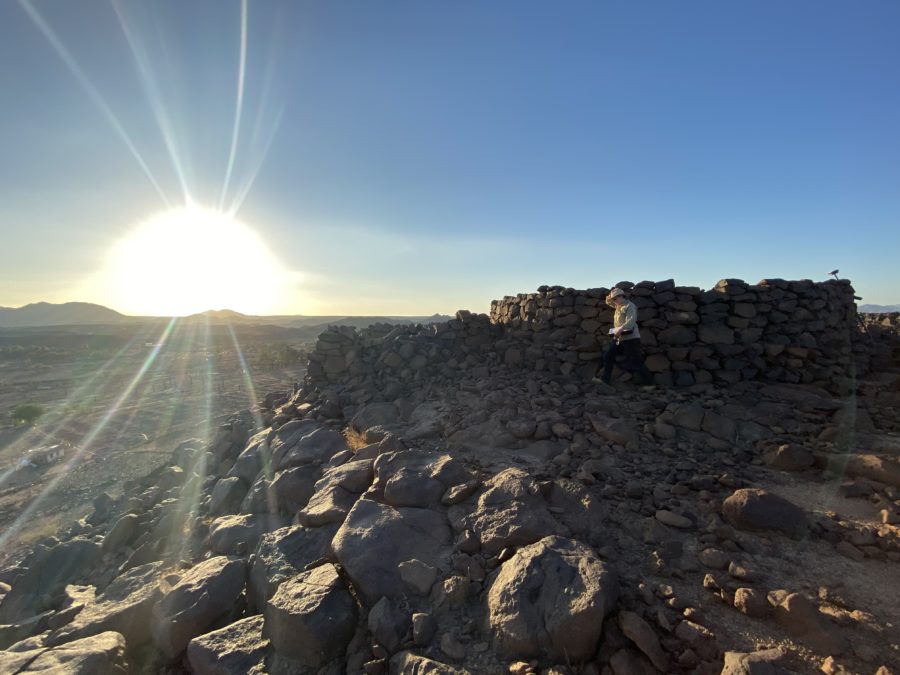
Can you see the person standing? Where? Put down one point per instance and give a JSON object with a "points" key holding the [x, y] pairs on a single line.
{"points": [[626, 341]]}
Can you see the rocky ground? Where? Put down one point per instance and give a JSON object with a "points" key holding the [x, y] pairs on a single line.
{"points": [[500, 521]]}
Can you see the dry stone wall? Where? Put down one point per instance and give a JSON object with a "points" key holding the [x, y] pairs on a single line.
{"points": [[776, 330]]}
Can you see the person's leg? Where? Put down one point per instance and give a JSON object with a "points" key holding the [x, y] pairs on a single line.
{"points": [[609, 360], [634, 361]]}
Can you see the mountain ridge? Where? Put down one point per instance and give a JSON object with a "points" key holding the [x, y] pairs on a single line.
{"points": [[40, 314]]}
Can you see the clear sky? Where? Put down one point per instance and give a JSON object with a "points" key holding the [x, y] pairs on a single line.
{"points": [[419, 157]]}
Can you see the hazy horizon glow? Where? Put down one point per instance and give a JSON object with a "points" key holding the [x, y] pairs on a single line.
{"points": [[414, 158], [188, 260]]}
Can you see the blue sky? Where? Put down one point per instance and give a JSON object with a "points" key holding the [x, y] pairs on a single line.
{"points": [[419, 157]]}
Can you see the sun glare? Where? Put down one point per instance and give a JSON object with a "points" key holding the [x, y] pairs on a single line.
{"points": [[192, 259]]}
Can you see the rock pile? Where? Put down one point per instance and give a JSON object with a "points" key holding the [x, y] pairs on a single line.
{"points": [[424, 504]]}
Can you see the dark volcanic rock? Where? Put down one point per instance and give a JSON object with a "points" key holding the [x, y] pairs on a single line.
{"points": [[205, 593], [48, 571], [376, 538], [283, 554], [311, 617], [102, 654], [756, 509], [550, 599], [237, 649], [125, 606]]}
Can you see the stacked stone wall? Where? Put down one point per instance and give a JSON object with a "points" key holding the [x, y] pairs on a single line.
{"points": [[776, 330]]}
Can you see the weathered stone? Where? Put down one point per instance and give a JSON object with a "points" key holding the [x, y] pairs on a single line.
{"points": [[511, 512], [387, 624], [336, 492], [789, 457], [376, 538], [756, 509], [101, 654], [237, 649], [419, 576], [229, 534], [801, 618], [121, 533], [550, 600], [227, 496], [641, 634], [283, 554], [764, 662], [751, 602], [311, 617], [47, 573], [125, 607], [202, 595], [407, 663]]}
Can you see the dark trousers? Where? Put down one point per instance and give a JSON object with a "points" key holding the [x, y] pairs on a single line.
{"points": [[632, 360]]}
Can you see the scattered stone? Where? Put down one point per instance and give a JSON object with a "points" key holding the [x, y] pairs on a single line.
{"points": [[641, 634], [756, 509], [751, 602], [674, 520]]}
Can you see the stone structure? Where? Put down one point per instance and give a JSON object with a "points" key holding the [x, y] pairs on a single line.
{"points": [[776, 330]]}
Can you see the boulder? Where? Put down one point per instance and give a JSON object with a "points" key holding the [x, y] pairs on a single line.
{"points": [[511, 512], [283, 554], [230, 535], [549, 600], [757, 509], [237, 649], [374, 415], [227, 496], [375, 538], [417, 478], [801, 618], [47, 571], [311, 617], [121, 533], [336, 492], [308, 443], [102, 654], [203, 595], [125, 607], [789, 457], [763, 662], [387, 624], [293, 487]]}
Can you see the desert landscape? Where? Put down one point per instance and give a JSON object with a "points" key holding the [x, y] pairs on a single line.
{"points": [[460, 497], [449, 338]]}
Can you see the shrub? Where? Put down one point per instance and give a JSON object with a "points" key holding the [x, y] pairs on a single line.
{"points": [[26, 413]]}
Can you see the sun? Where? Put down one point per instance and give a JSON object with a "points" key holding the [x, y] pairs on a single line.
{"points": [[192, 259]]}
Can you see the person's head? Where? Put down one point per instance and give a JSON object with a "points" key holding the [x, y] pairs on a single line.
{"points": [[617, 295]]}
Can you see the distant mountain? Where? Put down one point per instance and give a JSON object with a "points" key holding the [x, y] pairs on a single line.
{"points": [[85, 313], [65, 314], [878, 309]]}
